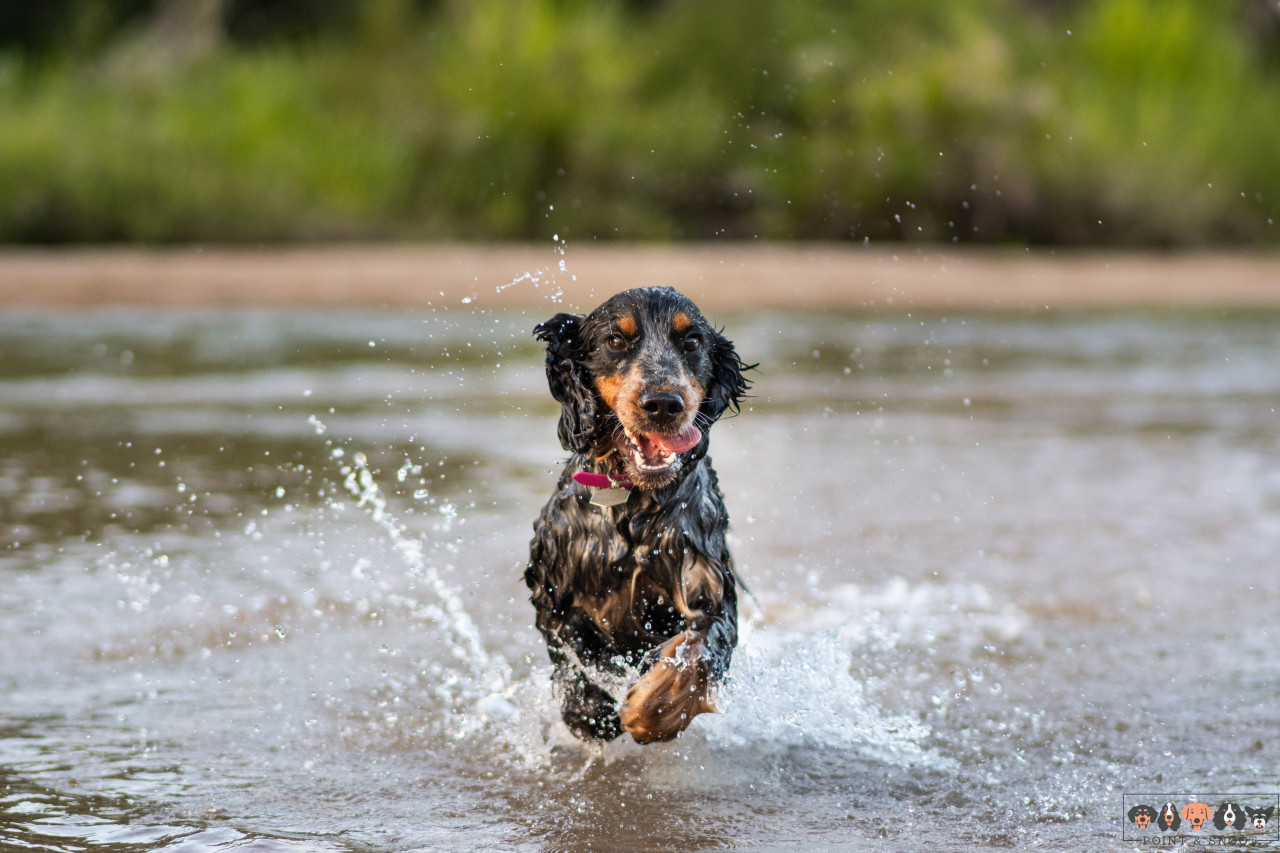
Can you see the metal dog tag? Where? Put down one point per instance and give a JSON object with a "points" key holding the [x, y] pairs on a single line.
{"points": [[609, 497]]}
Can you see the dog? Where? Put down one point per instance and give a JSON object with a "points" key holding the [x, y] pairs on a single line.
{"points": [[1142, 816], [628, 569], [1169, 820], [1260, 817], [1229, 815], [1197, 814]]}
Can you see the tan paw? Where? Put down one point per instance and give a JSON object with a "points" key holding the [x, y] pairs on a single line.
{"points": [[662, 704]]}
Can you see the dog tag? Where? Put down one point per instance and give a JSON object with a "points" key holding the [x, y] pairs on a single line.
{"points": [[609, 497]]}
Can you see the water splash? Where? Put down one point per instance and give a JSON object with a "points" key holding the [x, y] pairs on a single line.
{"points": [[482, 688], [788, 690], [536, 277], [792, 690]]}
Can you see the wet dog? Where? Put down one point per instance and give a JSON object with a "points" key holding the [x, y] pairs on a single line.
{"points": [[628, 568]]}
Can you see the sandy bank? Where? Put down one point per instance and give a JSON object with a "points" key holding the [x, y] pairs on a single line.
{"points": [[718, 276]]}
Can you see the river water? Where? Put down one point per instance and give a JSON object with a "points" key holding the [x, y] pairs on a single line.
{"points": [[260, 586]]}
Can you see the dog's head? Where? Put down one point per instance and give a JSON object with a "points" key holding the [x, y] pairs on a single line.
{"points": [[1259, 817], [1229, 815], [1197, 814], [1141, 816], [1169, 818], [642, 377]]}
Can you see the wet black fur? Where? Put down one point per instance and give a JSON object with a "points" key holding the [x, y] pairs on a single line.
{"points": [[580, 551]]}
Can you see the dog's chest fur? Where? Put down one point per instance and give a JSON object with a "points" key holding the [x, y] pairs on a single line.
{"points": [[641, 571]]}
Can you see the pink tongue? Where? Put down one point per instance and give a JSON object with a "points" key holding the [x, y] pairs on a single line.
{"points": [[675, 443]]}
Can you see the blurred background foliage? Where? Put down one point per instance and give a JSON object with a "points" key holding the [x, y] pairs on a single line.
{"points": [[1138, 122]]}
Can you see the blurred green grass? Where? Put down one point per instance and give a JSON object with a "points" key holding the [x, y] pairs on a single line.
{"points": [[1151, 122]]}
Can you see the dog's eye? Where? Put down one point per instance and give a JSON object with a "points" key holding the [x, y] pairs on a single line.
{"points": [[617, 343], [692, 343]]}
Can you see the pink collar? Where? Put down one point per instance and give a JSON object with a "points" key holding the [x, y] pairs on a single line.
{"points": [[603, 481]]}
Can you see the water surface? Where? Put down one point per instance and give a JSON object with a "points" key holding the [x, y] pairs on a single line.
{"points": [[261, 585]]}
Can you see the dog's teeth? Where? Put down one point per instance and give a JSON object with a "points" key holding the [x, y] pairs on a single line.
{"points": [[633, 448]]}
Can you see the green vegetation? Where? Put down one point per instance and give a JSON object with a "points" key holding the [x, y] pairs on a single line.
{"points": [[1080, 121]]}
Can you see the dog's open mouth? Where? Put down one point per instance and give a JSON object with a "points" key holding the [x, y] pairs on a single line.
{"points": [[655, 453]]}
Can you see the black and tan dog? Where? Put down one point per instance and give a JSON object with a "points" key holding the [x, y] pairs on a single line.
{"points": [[1141, 816], [628, 568]]}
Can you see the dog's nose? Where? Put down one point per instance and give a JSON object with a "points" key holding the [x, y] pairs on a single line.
{"points": [[663, 406]]}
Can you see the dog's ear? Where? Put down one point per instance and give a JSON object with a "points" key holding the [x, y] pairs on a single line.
{"points": [[728, 386], [567, 378]]}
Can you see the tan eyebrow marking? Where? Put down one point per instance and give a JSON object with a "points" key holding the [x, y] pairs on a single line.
{"points": [[681, 321], [627, 324]]}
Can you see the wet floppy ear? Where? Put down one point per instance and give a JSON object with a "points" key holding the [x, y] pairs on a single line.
{"points": [[567, 378], [727, 387]]}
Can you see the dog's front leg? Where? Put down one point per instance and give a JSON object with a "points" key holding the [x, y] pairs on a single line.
{"points": [[680, 685], [588, 709]]}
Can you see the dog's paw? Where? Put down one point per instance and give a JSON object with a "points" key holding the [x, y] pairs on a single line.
{"points": [[662, 704]]}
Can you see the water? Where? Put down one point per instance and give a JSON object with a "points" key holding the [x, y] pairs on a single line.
{"points": [[262, 585]]}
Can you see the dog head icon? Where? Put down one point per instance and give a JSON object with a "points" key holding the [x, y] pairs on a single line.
{"points": [[1229, 815], [1168, 819], [1259, 817], [1197, 814], [1141, 816]]}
